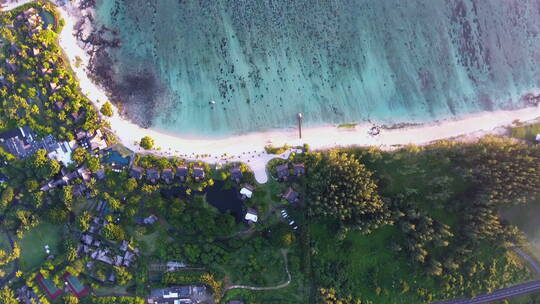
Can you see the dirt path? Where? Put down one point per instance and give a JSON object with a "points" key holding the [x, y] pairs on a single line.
{"points": [[282, 285]]}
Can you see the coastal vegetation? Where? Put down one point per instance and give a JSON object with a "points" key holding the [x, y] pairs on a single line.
{"points": [[347, 125], [276, 150], [147, 143], [107, 109], [36, 87]]}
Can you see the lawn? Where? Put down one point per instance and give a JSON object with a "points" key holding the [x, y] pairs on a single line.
{"points": [[4, 243], [148, 241], [527, 132], [32, 245], [107, 291], [265, 198]]}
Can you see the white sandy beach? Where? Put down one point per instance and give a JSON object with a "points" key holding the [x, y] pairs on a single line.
{"points": [[249, 148]]}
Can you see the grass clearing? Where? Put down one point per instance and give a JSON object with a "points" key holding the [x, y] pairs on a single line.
{"points": [[4, 243], [527, 132], [114, 290], [32, 244]]}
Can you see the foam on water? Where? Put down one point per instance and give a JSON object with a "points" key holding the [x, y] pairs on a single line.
{"points": [[338, 61]]}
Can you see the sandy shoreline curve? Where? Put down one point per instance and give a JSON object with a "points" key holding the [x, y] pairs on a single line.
{"points": [[249, 148]]}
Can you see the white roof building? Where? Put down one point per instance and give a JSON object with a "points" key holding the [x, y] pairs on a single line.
{"points": [[246, 192], [98, 142], [62, 153], [538, 137], [251, 216]]}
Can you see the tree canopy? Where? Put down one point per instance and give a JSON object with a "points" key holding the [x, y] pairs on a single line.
{"points": [[147, 142], [340, 187], [107, 109]]}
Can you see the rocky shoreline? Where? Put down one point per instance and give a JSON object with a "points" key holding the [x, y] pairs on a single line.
{"points": [[131, 92]]}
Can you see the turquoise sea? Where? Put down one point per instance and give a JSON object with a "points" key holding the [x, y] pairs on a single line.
{"points": [[221, 67]]}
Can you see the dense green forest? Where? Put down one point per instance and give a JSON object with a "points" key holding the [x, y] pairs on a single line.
{"points": [[446, 238]]}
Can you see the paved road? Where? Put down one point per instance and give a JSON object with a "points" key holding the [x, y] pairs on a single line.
{"points": [[531, 261], [501, 294]]}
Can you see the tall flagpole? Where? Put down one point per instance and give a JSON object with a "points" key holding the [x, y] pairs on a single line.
{"points": [[299, 116]]}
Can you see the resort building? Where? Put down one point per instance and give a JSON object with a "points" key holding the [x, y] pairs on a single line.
{"points": [[147, 220], [26, 295], [282, 171], [182, 172], [299, 169], [31, 18], [98, 142], [62, 153], [236, 174], [22, 142], [18, 142], [59, 106], [84, 173], [136, 172], [167, 175], [290, 195], [198, 173], [251, 216], [178, 295], [152, 175], [247, 191]]}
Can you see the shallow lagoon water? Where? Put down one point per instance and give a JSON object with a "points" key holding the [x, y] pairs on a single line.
{"points": [[340, 61]]}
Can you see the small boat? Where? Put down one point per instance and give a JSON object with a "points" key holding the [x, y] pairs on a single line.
{"points": [[212, 102]]}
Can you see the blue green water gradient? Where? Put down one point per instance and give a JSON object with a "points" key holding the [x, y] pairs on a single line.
{"points": [[336, 61]]}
